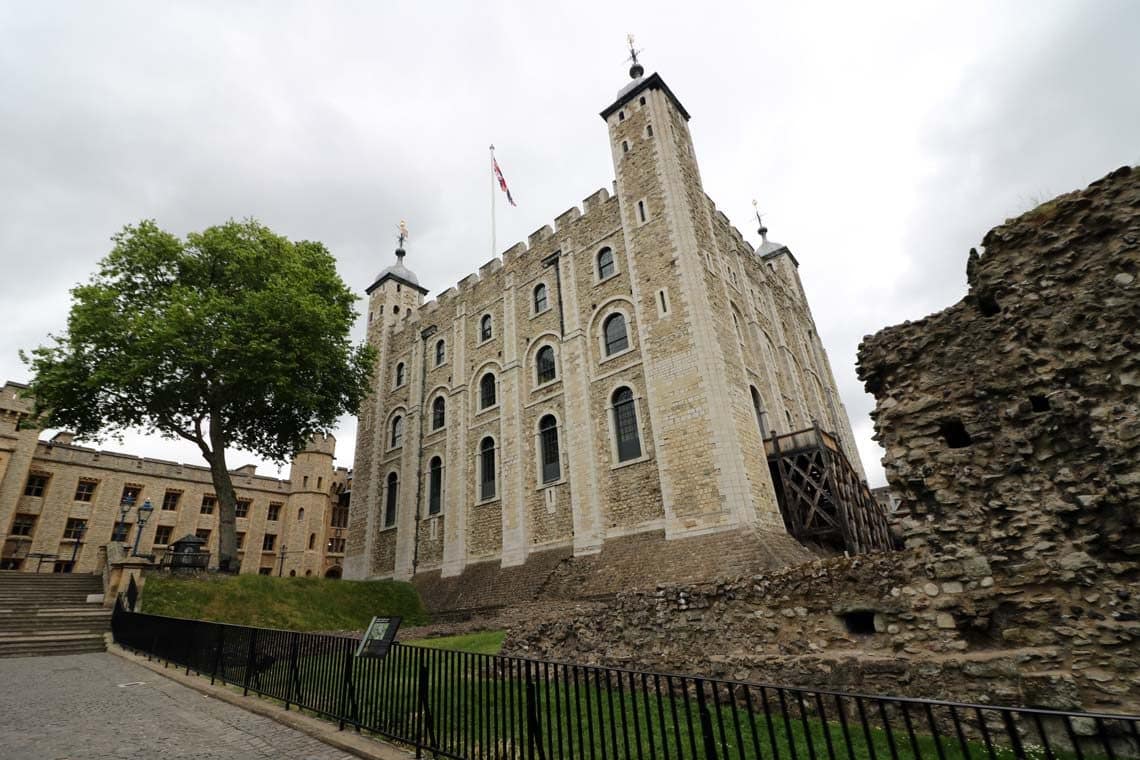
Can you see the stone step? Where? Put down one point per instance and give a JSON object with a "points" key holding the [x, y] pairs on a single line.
{"points": [[53, 647]]}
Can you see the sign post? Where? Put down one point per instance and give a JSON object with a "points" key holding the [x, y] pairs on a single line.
{"points": [[379, 637]]}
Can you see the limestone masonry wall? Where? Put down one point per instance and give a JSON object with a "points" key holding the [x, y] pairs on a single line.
{"points": [[1011, 423]]}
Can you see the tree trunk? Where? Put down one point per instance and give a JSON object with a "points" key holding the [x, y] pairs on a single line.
{"points": [[227, 501]]}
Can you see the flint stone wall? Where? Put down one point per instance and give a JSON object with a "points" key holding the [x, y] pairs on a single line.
{"points": [[1012, 431]]}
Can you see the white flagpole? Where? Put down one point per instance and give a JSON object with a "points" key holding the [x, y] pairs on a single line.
{"points": [[494, 248]]}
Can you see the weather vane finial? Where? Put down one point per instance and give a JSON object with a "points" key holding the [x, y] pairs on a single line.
{"points": [[402, 237], [763, 230], [636, 70]]}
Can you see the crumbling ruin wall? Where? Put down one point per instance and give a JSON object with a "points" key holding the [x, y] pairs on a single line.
{"points": [[1012, 431]]}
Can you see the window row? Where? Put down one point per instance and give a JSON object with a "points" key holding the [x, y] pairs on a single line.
{"points": [[627, 447]]}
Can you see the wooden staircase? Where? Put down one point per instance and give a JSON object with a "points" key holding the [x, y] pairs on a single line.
{"points": [[48, 614]]}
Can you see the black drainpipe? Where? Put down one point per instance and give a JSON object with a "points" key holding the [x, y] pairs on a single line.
{"points": [[424, 335]]}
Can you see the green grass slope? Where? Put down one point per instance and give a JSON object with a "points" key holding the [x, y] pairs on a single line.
{"points": [[296, 604]]}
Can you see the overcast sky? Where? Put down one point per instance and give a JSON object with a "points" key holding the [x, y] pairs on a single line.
{"points": [[881, 141]]}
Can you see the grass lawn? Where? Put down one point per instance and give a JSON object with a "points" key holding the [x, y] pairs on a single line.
{"points": [[482, 642], [298, 604]]}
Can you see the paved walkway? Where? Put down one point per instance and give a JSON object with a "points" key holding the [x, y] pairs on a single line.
{"points": [[93, 706]]}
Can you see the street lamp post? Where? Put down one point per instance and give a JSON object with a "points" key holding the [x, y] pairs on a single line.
{"points": [[144, 514], [125, 507], [281, 564], [75, 547]]}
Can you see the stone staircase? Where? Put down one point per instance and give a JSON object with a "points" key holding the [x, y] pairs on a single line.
{"points": [[48, 614]]}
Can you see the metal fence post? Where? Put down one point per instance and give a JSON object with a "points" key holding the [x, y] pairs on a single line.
{"points": [[293, 639], [533, 725], [218, 652], [249, 660], [706, 722]]}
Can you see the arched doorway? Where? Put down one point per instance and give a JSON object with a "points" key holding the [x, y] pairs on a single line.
{"points": [[333, 572]]}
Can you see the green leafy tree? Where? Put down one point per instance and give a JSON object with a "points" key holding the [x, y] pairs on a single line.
{"points": [[233, 338]]}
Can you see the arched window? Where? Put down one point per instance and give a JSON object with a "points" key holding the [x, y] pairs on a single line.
{"points": [[545, 368], [548, 446], [487, 468], [616, 336], [761, 415], [301, 514], [487, 391], [625, 425], [390, 500], [440, 352], [485, 331], [397, 437], [435, 486], [399, 374], [736, 324], [312, 540], [540, 302], [605, 263], [438, 413]]}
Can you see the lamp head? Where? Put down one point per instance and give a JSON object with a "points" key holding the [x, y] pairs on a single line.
{"points": [[144, 510]]}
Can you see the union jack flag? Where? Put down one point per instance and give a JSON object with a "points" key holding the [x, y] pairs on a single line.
{"points": [[502, 182]]}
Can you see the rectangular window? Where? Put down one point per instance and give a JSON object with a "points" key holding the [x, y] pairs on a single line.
{"points": [[203, 533], [241, 508], [208, 504], [274, 512], [265, 571], [170, 500], [240, 540], [130, 495], [336, 545], [23, 525], [268, 542], [120, 532], [162, 535], [85, 491], [75, 529], [10, 563], [36, 485], [551, 465], [339, 517]]}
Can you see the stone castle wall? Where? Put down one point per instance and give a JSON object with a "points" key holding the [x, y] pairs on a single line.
{"points": [[709, 321], [304, 502], [1011, 423]]}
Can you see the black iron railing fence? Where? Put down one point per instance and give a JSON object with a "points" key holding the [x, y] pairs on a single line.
{"points": [[462, 705]]}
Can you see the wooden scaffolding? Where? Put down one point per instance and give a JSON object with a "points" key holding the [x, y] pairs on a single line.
{"points": [[822, 499]]}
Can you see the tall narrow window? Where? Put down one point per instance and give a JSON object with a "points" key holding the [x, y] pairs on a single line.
{"points": [[540, 302], [485, 331], [641, 211], [390, 500], [397, 437], [440, 352], [625, 425], [548, 446], [616, 336], [487, 469], [605, 263], [435, 486], [761, 415], [438, 413], [487, 391], [399, 374], [545, 368]]}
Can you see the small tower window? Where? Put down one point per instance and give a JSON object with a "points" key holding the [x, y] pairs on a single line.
{"points": [[625, 425], [641, 211], [548, 444], [544, 365], [624, 146], [487, 469], [487, 391], [485, 331], [440, 352], [390, 500], [641, 100], [540, 302], [399, 374], [397, 435], [605, 263], [649, 130], [312, 540], [435, 486], [395, 309], [438, 413], [621, 115], [615, 333]]}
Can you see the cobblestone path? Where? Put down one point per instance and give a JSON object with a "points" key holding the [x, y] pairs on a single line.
{"points": [[95, 706]]}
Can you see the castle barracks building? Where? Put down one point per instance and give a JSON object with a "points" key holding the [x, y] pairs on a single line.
{"points": [[615, 376], [59, 501]]}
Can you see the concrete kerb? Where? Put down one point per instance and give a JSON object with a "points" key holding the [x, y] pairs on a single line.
{"points": [[321, 730]]}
